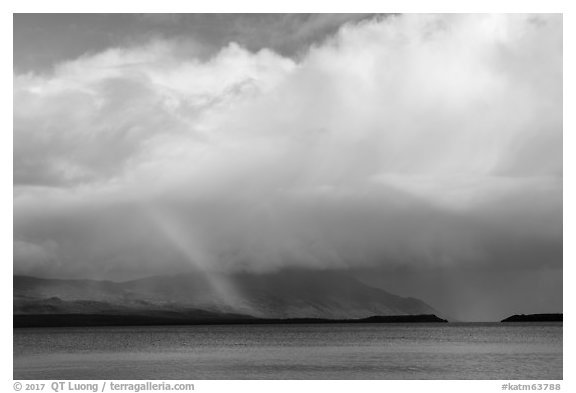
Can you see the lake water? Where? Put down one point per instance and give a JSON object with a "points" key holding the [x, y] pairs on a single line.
{"points": [[343, 351]]}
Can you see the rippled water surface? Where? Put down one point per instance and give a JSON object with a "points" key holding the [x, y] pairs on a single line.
{"points": [[343, 351]]}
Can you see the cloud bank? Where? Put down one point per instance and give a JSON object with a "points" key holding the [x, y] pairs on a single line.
{"points": [[416, 140]]}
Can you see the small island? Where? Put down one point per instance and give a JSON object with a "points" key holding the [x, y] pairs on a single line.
{"points": [[534, 318]]}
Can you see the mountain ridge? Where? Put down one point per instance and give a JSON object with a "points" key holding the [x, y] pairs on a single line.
{"points": [[287, 294]]}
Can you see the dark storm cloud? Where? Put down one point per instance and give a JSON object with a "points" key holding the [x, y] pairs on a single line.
{"points": [[44, 40], [418, 142]]}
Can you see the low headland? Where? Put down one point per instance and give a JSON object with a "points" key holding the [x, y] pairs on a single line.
{"points": [[534, 318]]}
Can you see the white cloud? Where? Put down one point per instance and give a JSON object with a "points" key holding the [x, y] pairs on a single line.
{"points": [[413, 139]]}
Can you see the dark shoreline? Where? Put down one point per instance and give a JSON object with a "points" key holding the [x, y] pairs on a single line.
{"points": [[535, 318], [86, 320]]}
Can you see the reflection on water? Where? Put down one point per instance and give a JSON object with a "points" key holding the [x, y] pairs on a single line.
{"points": [[346, 351]]}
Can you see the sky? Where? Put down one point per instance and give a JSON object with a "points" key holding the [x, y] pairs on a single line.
{"points": [[421, 153]]}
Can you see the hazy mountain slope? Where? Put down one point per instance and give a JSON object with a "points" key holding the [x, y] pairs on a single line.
{"points": [[32, 287], [285, 294], [326, 294]]}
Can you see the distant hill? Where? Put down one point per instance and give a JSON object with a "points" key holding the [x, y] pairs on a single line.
{"points": [[535, 318], [196, 318], [285, 294]]}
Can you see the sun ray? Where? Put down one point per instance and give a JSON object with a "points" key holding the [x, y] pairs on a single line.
{"points": [[227, 296]]}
